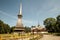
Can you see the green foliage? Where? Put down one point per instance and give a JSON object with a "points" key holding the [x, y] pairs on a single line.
{"points": [[57, 34], [27, 29], [33, 26], [4, 28], [49, 21], [58, 24], [52, 24], [12, 29], [58, 19]]}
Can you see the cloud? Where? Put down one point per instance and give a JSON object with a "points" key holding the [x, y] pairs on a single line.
{"points": [[29, 22], [6, 14], [26, 22]]}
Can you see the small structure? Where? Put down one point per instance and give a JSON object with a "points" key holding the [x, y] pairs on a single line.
{"points": [[38, 29]]}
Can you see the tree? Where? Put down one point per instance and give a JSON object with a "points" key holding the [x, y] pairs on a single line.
{"points": [[4, 28], [1, 27], [50, 24], [58, 24], [12, 29], [27, 29], [58, 19], [33, 26]]}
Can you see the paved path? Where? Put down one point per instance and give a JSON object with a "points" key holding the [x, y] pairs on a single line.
{"points": [[50, 37]]}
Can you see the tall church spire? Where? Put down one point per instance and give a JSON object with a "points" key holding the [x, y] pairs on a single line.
{"points": [[38, 23], [19, 26], [19, 22], [20, 12]]}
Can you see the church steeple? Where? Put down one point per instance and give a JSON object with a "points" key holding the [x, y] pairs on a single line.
{"points": [[19, 26], [20, 10], [38, 23], [19, 22]]}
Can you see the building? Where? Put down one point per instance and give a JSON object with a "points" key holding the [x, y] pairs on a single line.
{"points": [[38, 29], [19, 26]]}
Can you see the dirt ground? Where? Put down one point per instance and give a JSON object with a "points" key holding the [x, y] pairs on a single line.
{"points": [[50, 37]]}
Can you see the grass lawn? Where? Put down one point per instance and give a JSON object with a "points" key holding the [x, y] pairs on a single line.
{"points": [[11, 36]]}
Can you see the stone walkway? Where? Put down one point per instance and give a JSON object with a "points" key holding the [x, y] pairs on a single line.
{"points": [[50, 37]]}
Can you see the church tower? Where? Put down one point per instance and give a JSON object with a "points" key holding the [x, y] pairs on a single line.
{"points": [[19, 22], [19, 26]]}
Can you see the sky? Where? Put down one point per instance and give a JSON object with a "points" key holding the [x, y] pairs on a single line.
{"points": [[33, 11]]}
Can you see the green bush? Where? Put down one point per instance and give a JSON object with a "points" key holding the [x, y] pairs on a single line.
{"points": [[58, 34]]}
